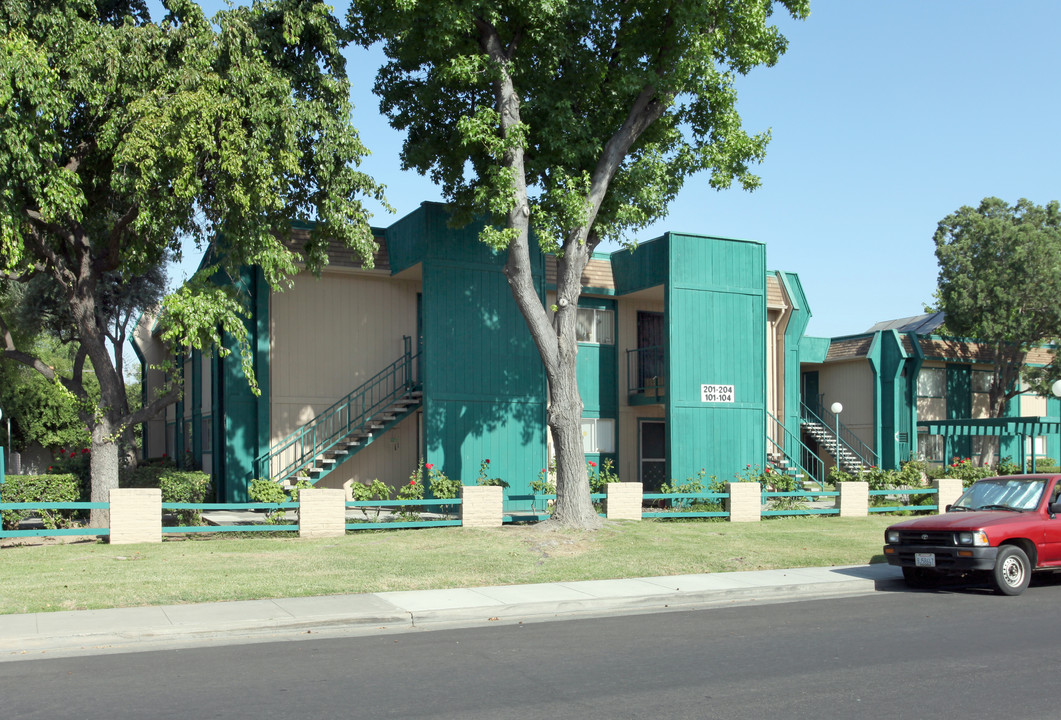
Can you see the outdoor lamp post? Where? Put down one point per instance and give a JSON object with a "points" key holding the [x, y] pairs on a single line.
{"points": [[3, 463], [836, 409]]}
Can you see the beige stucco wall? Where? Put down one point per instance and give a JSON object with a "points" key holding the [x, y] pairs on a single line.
{"points": [[328, 336], [628, 308], [628, 442], [1032, 406], [628, 439], [852, 384]]}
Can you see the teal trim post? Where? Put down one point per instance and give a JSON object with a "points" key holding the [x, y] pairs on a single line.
{"points": [[178, 415], [197, 407], [799, 318], [913, 371], [891, 423]]}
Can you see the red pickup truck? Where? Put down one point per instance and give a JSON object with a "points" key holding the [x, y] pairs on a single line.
{"points": [[1005, 526]]}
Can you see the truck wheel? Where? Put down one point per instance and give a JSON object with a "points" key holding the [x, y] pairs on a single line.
{"points": [[920, 578], [1012, 571]]}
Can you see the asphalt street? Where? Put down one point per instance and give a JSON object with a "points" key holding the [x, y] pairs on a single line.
{"points": [[892, 653]]}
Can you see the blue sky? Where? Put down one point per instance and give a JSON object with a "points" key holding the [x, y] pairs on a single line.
{"points": [[885, 116]]}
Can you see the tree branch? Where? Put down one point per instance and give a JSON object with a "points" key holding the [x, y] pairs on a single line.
{"points": [[11, 352], [152, 411]]}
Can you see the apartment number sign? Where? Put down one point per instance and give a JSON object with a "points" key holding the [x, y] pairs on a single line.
{"points": [[716, 393]]}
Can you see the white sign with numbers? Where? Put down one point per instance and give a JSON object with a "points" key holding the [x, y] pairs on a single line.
{"points": [[716, 393]]}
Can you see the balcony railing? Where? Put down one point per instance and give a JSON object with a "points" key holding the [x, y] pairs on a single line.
{"points": [[646, 374]]}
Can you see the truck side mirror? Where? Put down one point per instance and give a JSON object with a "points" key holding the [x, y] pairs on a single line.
{"points": [[1054, 508]]}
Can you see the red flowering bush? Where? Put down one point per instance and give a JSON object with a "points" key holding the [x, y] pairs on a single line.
{"points": [[484, 480]]}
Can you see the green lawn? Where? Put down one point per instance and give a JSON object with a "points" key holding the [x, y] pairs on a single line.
{"points": [[71, 576]]}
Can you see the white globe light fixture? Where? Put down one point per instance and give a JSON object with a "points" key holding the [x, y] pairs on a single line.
{"points": [[836, 409], [1056, 388]]}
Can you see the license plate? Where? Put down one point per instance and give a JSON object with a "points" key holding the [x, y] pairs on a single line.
{"points": [[925, 559]]}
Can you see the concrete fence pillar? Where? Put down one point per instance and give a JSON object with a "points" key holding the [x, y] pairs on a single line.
{"points": [[321, 512], [623, 501], [482, 506], [949, 490], [745, 502], [853, 500], [135, 516]]}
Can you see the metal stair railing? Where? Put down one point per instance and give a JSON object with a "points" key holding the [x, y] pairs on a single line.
{"points": [[352, 413], [646, 372], [814, 411], [812, 466]]}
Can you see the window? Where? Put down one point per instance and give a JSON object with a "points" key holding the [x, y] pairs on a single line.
{"points": [[1036, 445], [932, 382], [598, 435], [981, 381], [594, 325], [930, 447]]}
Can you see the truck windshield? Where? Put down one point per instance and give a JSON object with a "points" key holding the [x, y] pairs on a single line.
{"points": [[1003, 494]]}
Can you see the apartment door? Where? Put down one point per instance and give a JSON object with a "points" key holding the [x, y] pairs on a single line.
{"points": [[652, 451]]}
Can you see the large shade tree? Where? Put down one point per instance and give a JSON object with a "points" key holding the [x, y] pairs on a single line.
{"points": [[999, 284], [579, 120], [121, 137]]}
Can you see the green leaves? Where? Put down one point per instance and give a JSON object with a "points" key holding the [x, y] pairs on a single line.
{"points": [[120, 138], [999, 280], [1000, 271], [580, 72]]}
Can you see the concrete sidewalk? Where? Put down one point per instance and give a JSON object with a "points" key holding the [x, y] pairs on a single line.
{"points": [[86, 632]]}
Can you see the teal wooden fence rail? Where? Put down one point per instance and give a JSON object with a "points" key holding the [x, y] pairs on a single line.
{"points": [[902, 506], [680, 502], [263, 526], [539, 511], [46, 532], [447, 507], [799, 495]]}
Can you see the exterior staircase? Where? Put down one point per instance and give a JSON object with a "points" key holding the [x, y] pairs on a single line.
{"points": [[845, 457], [833, 437], [786, 453], [365, 414]]}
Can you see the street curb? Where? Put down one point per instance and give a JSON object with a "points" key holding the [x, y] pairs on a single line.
{"points": [[64, 634]]}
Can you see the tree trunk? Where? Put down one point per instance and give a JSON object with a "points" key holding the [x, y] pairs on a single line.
{"points": [[103, 467], [573, 509]]}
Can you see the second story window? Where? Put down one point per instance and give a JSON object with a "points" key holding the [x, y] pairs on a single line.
{"points": [[595, 325]]}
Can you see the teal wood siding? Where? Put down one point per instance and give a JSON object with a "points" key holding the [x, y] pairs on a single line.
{"points": [[716, 320], [1053, 442], [598, 368], [959, 405], [645, 266], [245, 417], [484, 385], [892, 415], [407, 240]]}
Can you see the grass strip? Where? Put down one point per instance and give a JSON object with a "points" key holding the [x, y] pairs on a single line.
{"points": [[209, 568]]}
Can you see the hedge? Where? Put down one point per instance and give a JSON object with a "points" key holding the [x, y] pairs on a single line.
{"points": [[64, 487], [178, 486]]}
